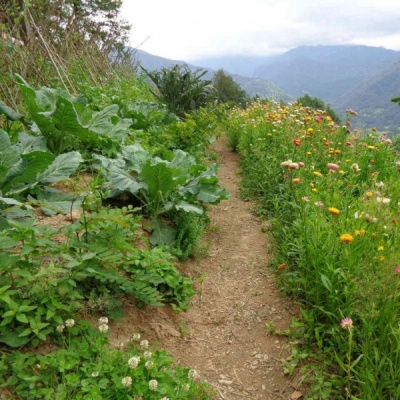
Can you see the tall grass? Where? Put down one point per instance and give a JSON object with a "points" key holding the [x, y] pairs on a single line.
{"points": [[332, 194]]}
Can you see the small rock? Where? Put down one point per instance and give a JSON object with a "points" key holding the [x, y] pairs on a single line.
{"points": [[296, 395]]}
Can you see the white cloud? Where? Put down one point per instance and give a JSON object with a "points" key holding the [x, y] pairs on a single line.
{"points": [[181, 29]]}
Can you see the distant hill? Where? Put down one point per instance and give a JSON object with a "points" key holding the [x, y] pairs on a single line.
{"points": [[363, 78], [371, 99], [252, 86], [325, 71]]}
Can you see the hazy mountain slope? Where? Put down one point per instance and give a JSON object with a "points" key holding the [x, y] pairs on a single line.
{"points": [[253, 86], [325, 71], [371, 99]]}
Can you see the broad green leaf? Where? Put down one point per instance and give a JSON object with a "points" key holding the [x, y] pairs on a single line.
{"points": [[61, 168], [28, 143], [187, 207], [5, 142], [159, 179], [212, 194], [26, 173], [101, 121], [182, 161], [162, 233], [135, 156], [9, 112], [120, 180], [18, 217], [105, 163], [22, 318], [54, 201], [7, 243], [13, 340]]}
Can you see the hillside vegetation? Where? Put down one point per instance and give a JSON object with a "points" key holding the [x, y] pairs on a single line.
{"points": [[125, 162]]}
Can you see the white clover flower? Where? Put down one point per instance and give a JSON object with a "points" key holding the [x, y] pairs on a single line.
{"points": [[147, 354], [193, 374], [103, 328], [103, 320], [149, 364], [379, 184], [69, 323], [185, 387], [127, 381], [153, 384], [136, 337], [95, 373], [133, 362], [165, 398], [385, 200], [144, 344], [60, 328]]}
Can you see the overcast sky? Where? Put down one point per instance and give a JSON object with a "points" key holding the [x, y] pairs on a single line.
{"points": [[187, 30]]}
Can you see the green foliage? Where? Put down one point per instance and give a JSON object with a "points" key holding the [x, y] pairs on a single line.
{"points": [[66, 123], [162, 186], [181, 89], [332, 197], [318, 104], [86, 366], [27, 168], [228, 91]]}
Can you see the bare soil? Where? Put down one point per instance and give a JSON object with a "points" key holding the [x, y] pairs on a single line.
{"points": [[223, 335]]}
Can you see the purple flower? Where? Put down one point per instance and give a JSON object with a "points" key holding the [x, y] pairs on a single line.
{"points": [[398, 269]]}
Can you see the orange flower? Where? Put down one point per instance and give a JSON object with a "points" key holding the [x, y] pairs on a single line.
{"points": [[333, 211], [282, 266], [296, 180], [346, 238], [297, 142]]}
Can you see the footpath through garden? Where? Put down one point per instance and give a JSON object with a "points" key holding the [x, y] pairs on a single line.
{"points": [[223, 335]]}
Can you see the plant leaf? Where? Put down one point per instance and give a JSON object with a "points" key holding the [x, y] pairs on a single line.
{"points": [[9, 112], [162, 233]]}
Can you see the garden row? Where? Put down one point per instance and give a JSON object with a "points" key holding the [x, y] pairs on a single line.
{"points": [[332, 194]]}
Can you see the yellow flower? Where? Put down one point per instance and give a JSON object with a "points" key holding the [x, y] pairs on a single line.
{"points": [[314, 190], [337, 152], [341, 172], [346, 238], [309, 153], [369, 194], [381, 248], [382, 258], [316, 173], [333, 211], [371, 147], [296, 180], [360, 232]]}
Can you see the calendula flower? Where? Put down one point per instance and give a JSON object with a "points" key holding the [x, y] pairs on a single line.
{"points": [[347, 323], [153, 384], [296, 180], [69, 323], [346, 238], [282, 266], [371, 147], [333, 211], [133, 362], [310, 130], [369, 194], [127, 381], [297, 142]]}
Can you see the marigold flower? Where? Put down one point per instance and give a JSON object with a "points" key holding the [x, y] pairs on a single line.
{"points": [[310, 130], [297, 142], [371, 147], [296, 180], [346, 238], [282, 266], [347, 323], [369, 194], [333, 211]]}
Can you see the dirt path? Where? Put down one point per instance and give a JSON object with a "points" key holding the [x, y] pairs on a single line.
{"points": [[223, 334]]}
